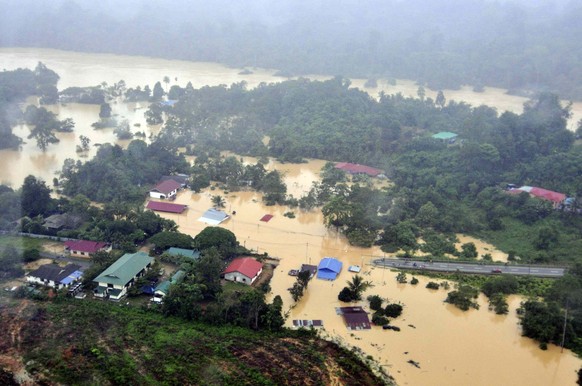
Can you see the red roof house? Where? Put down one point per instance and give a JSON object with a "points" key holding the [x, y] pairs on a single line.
{"points": [[244, 270], [166, 207], [165, 189], [555, 197], [85, 248], [358, 169]]}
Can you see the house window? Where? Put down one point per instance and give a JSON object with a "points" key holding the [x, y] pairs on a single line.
{"points": [[109, 285]]}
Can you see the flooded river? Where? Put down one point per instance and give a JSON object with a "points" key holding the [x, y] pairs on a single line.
{"points": [[451, 347]]}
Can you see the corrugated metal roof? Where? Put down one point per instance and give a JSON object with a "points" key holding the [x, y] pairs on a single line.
{"points": [[189, 253], [213, 217], [166, 207], [357, 168], [245, 265], [124, 269], [167, 186], [329, 268], [445, 135], [163, 287], [85, 245]]}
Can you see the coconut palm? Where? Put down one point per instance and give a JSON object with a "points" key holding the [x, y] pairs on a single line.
{"points": [[358, 285], [218, 201]]}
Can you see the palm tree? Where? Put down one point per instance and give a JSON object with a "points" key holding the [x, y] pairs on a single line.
{"points": [[358, 285], [218, 201]]}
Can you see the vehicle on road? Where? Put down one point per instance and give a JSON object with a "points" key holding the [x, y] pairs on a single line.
{"points": [[495, 271]]}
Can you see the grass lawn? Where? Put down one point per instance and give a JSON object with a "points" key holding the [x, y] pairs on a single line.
{"points": [[22, 242]]}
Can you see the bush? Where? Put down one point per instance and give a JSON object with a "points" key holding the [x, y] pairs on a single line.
{"points": [[379, 320], [504, 284], [393, 310], [375, 302], [432, 285], [498, 303], [414, 281], [463, 297], [345, 295], [30, 255]]}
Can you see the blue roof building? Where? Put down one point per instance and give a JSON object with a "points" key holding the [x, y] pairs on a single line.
{"points": [[329, 268]]}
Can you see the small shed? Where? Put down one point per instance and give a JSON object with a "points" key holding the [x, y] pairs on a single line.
{"points": [[329, 268], [213, 217], [311, 268], [446, 136], [188, 253]]}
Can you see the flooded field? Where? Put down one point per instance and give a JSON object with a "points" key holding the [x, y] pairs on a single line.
{"points": [[451, 347], [86, 69]]}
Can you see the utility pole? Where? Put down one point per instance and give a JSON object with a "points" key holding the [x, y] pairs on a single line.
{"points": [[564, 331]]}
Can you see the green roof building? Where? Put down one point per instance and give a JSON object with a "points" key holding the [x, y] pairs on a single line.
{"points": [[119, 276], [445, 135], [163, 288], [189, 253]]}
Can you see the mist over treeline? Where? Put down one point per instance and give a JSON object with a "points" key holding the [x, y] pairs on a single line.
{"points": [[522, 46]]}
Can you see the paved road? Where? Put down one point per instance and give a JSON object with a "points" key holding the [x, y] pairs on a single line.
{"points": [[486, 269]]}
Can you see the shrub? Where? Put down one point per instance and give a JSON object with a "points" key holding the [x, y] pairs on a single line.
{"points": [[432, 285], [345, 295], [393, 310], [379, 320], [375, 302]]}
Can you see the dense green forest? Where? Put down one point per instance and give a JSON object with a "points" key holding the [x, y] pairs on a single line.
{"points": [[439, 188], [520, 46], [103, 343]]}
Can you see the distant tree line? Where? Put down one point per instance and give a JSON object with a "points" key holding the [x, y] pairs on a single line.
{"points": [[15, 87], [441, 45]]}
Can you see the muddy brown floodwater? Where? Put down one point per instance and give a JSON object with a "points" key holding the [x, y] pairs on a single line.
{"points": [[451, 347]]}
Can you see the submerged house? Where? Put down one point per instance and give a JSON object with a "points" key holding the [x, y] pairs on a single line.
{"points": [[55, 276], [213, 217], [167, 207], [355, 318], [114, 282], [358, 169], [243, 270], [329, 268]]}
